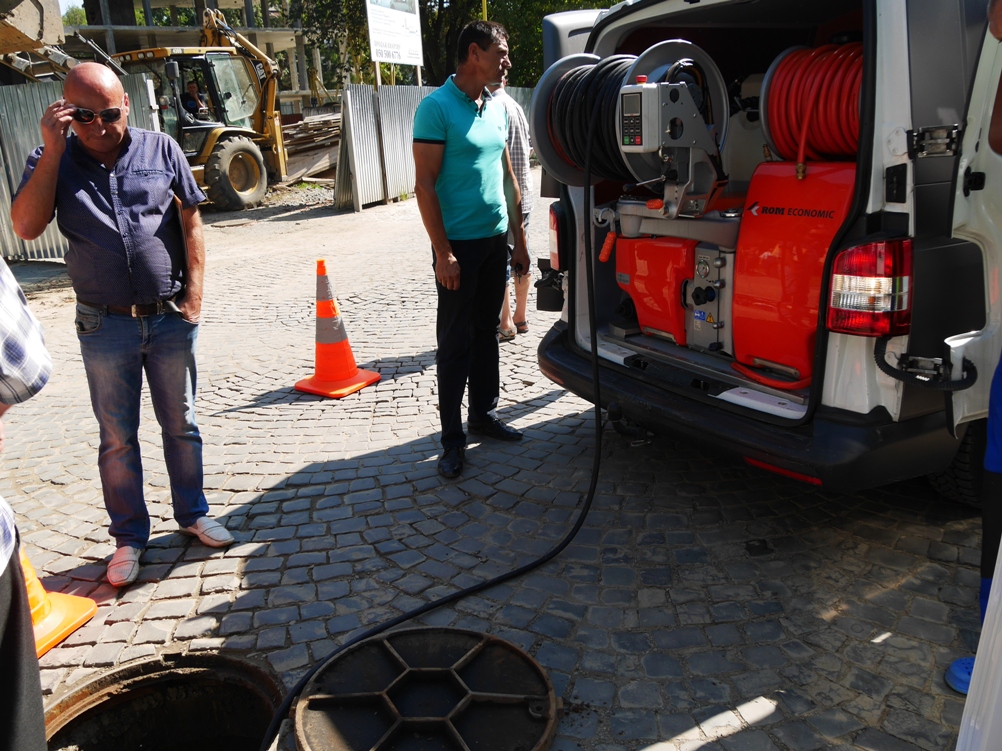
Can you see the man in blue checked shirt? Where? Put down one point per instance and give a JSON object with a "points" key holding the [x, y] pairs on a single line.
{"points": [[127, 203], [25, 366]]}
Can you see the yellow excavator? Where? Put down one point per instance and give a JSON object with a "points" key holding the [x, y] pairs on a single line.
{"points": [[218, 100]]}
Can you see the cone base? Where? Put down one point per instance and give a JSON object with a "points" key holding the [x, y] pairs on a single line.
{"points": [[338, 389], [69, 612]]}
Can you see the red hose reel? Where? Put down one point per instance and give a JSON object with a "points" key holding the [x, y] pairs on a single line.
{"points": [[811, 104]]}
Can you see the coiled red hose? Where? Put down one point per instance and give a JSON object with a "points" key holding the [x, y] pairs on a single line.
{"points": [[813, 103]]}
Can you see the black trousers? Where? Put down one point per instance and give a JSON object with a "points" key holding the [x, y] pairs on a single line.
{"points": [[467, 334], [22, 721]]}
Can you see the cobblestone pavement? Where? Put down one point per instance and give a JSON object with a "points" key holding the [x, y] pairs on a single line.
{"points": [[704, 604]]}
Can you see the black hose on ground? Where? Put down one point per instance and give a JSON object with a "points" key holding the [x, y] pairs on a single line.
{"points": [[283, 710]]}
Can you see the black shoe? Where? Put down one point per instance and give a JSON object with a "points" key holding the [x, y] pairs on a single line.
{"points": [[451, 463], [494, 428]]}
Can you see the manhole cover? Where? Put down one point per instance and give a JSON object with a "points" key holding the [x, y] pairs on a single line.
{"points": [[177, 703], [428, 689]]}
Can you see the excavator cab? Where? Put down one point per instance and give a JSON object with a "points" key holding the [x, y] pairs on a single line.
{"points": [[218, 102]]}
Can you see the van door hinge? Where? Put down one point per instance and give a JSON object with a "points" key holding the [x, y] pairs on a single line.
{"points": [[973, 181], [934, 140]]}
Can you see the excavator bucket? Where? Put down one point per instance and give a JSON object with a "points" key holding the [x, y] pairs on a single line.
{"points": [[29, 25]]}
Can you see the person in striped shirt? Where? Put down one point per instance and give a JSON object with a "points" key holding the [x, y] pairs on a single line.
{"points": [[25, 366]]}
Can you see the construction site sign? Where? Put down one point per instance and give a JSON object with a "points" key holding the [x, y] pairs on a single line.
{"points": [[395, 31]]}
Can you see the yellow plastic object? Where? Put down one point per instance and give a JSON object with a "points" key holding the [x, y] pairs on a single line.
{"points": [[54, 616]]}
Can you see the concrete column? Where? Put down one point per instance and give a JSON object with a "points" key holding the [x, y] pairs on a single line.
{"points": [[269, 49], [304, 83], [173, 15], [148, 12], [105, 7], [265, 13], [249, 13], [317, 62], [109, 42], [293, 69], [199, 11]]}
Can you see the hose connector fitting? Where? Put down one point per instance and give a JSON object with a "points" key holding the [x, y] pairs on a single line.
{"points": [[801, 170]]}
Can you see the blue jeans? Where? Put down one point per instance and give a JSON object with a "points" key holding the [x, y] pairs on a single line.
{"points": [[116, 349]]}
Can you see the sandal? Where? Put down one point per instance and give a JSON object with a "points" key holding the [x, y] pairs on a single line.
{"points": [[522, 327], [506, 335]]}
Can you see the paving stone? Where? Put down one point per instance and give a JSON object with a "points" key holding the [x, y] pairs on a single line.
{"points": [[911, 727], [192, 628], [103, 655], [711, 663], [629, 725], [640, 694], [834, 723], [594, 693], [800, 737], [235, 623]]}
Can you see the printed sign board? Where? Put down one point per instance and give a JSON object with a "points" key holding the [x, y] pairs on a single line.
{"points": [[395, 31]]}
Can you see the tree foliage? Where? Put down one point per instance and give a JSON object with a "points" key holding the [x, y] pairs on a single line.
{"points": [[340, 28], [524, 21], [75, 16]]}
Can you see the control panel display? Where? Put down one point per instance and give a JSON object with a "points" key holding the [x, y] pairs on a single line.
{"points": [[631, 114]]}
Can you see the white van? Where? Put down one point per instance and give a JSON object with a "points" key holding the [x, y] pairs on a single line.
{"points": [[794, 228]]}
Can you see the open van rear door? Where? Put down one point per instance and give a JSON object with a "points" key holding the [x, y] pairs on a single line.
{"points": [[977, 216]]}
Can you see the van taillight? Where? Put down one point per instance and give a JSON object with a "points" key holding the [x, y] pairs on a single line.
{"points": [[554, 238], [871, 290]]}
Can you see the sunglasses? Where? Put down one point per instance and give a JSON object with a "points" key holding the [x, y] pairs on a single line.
{"points": [[110, 115]]}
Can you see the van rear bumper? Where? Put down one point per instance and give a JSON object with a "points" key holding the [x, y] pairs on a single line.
{"points": [[844, 454]]}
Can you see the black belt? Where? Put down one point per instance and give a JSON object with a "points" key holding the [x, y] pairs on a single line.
{"points": [[136, 311]]}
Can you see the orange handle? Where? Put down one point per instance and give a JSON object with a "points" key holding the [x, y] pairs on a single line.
{"points": [[771, 382], [610, 243], [655, 204]]}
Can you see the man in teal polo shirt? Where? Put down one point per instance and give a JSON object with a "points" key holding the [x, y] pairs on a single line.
{"points": [[468, 197]]}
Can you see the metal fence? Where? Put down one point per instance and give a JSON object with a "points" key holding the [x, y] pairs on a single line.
{"points": [[21, 109], [376, 163], [360, 124]]}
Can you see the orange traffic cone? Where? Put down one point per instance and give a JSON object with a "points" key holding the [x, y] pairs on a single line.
{"points": [[54, 616], [336, 375]]}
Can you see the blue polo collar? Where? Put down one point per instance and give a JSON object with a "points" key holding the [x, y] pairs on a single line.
{"points": [[485, 96]]}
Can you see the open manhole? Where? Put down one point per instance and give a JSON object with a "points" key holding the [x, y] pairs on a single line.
{"points": [[428, 689], [173, 703]]}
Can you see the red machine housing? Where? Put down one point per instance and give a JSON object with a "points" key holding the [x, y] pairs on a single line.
{"points": [[651, 271], [787, 229]]}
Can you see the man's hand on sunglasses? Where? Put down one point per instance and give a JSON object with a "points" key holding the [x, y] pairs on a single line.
{"points": [[56, 125]]}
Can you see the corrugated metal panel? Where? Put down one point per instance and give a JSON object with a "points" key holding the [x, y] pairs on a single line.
{"points": [[397, 105], [342, 178], [366, 161], [21, 109]]}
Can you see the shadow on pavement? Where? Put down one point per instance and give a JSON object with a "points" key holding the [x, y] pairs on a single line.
{"points": [[659, 619]]}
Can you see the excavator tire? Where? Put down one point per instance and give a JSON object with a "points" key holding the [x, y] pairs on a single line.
{"points": [[962, 480], [235, 175]]}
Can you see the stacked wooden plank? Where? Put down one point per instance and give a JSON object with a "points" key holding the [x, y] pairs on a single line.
{"points": [[313, 132], [312, 145]]}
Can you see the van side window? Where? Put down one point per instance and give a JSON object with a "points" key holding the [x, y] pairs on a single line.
{"points": [[995, 127]]}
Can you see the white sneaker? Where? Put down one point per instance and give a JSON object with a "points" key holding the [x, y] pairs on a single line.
{"points": [[124, 566], [210, 532]]}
